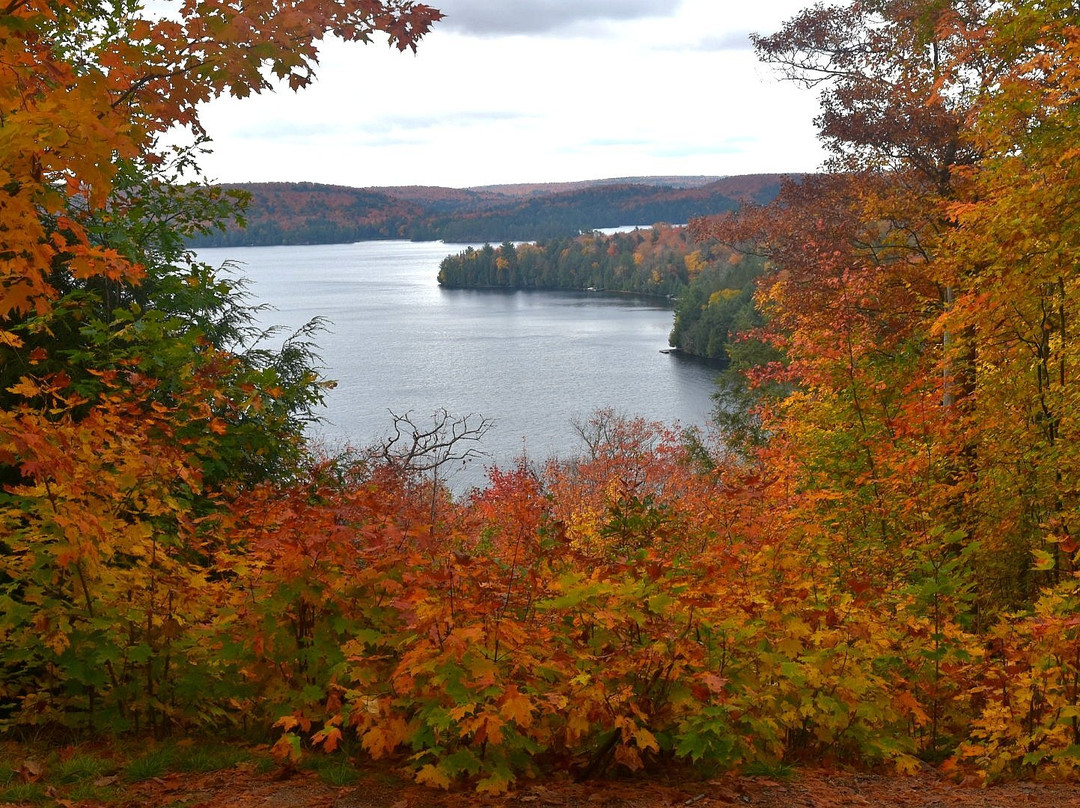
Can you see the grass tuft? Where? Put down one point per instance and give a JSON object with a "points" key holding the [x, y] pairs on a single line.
{"points": [[335, 770], [209, 758], [23, 793], [774, 771], [80, 767], [153, 764]]}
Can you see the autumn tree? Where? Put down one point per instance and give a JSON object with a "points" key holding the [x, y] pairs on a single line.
{"points": [[856, 250], [920, 294], [133, 400], [946, 122]]}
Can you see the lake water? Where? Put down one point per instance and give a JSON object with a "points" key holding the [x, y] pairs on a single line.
{"points": [[530, 361]]}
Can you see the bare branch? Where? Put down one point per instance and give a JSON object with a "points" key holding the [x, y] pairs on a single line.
{"points": [[449, 439]]}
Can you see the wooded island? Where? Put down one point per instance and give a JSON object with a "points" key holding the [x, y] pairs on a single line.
{"points": [[711, 286]]}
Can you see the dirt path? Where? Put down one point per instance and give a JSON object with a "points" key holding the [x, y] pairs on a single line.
{"points": [[240, 788]]}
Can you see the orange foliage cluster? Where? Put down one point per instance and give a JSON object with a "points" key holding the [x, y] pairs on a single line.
{"points": [[891, 576]]}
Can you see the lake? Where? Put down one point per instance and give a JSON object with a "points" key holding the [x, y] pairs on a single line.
{"points": [[530, 361]]}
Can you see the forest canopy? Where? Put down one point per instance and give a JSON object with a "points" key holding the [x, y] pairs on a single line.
{"points": [[883, 572]]}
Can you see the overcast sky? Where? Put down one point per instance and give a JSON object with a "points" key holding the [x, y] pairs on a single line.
{"points": [[507, 91]]}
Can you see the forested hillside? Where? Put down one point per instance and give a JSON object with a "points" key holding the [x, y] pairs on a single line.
{"points": [[566, 213], [881, 571], [308, 213]]}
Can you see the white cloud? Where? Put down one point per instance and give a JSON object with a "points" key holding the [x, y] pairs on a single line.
{"points": [[646, 96], [729, 40], [488, 18]]}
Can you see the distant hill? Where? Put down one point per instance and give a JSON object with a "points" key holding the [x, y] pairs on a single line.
{"points": [[539, 189], [311, 213]]}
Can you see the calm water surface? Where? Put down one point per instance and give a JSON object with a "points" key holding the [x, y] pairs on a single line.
{"points": [[531, 361]]}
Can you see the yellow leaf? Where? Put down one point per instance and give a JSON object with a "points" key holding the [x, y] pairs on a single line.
{"points": [[287, 748], [492, 728], [374, 742], [577, 725], [431, 775], [517, 707], [26, 388], [287, 722], [329, 738], [1043, 560], [907, 764], [645, 739], [495, 784], [462, 711]]}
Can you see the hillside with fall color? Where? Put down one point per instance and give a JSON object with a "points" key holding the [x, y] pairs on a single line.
{"points": [[309, 213], [872, 563]]}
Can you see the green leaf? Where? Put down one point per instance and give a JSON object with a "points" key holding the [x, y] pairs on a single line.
{"points": [[463, 760], [140, 653]]}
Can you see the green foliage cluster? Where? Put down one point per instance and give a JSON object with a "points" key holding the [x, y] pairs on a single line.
{"points": [[718, 303], [184, 323]]}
